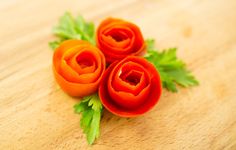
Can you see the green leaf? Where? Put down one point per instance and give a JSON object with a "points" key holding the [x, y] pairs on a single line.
{"points": [[80, 107], [86, 118], [150, 44], [91, 109], [94, 127], [73, 28], [172, 70], [95, 103], [54, 44]]}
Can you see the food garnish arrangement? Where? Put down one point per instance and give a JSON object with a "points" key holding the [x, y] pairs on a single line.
{"points": [[112, 67]]}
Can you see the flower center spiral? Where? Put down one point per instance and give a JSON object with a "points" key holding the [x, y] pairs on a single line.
{"points": [[133, 77], [84, 60]]}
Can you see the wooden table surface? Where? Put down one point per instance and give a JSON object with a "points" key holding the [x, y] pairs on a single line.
{"points": [[36, 114]]}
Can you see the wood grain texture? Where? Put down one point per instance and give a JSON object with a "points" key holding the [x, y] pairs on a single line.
{"points": [[36, 114]]}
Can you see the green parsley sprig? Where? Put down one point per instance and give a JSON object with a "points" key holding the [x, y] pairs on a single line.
{"points": [[91, 109], [73, 28], [172, 70]]}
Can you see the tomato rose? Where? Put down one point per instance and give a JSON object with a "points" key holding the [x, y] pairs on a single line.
{"points": [[117, 39], [78, 67], [130, 87]]}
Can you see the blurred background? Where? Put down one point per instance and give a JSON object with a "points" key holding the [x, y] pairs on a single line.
{"points": [[36, 114]]}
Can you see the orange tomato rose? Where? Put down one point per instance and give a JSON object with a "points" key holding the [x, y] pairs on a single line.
{"points": [[78, 67], [117, 39]]}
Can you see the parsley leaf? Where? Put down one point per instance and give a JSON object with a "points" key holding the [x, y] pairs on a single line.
{"points": [[73, 28], [91, 109], [172, 70], [54, 44], [150, 44]]}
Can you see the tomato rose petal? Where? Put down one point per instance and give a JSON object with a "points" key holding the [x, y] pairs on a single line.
{"points": [[83, 63], [128, 100], [117, 31], [67, 72], [72, 75], [126, 104], [121, 85], [118, 38], [78, 67], [120, 46], [89, 77], [125, 85]]}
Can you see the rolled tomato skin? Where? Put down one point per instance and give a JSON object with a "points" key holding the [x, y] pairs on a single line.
{"points": [[130, 87], [78, 67], [118, 38]]}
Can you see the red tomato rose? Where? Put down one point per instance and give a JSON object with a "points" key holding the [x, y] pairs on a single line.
{"points": [[130, 87], [117, 39]]}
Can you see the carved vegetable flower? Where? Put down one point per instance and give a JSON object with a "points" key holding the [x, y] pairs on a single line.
{"points": [[78, 67], [130, 87], [117, 39]]}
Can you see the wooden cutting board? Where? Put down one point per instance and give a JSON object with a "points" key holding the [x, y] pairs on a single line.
{"points": [[36, 114]]}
